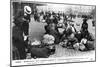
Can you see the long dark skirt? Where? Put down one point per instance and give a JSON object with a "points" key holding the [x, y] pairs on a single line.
{"points": [[20, 45], [18, 41]]}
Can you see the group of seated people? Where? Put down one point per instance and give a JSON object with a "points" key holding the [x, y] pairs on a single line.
{"points": [[67, 36], [62, 32]]}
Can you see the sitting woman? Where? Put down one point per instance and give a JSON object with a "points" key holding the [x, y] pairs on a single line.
{"points": [[69, 38], [86, 39]]}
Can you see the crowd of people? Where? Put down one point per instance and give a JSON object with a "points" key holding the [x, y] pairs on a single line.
{"points": [[60, 30], [61, 26]]}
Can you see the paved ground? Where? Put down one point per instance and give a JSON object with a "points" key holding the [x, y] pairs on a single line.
{"points": [[37, 31]]}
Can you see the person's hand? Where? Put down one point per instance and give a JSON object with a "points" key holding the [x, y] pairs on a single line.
{"points": [[23, 19], [25, 38]]}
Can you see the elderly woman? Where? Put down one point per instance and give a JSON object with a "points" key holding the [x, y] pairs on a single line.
{"points": [[21, 21], [18, 38]]}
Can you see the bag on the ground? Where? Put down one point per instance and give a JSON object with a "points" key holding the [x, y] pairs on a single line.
{"points": [[37, 52]]}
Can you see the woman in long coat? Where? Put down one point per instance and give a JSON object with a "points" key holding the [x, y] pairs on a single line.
{"points": [[17, 35]]}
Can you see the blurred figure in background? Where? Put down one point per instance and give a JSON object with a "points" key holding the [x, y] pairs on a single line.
{"points": [[84, 24]]}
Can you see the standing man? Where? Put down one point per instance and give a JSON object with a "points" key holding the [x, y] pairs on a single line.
{"points": [[27, 13], [84, 24]]}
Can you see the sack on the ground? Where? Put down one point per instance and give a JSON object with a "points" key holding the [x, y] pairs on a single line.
{"points": [[90, 45]]}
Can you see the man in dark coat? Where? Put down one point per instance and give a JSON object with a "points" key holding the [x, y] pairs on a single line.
{"points": [[84, 24], [25, 25]]}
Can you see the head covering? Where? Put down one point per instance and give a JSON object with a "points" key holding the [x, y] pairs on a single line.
{"points": [[48, 39], [36, 42], [27, 9]]}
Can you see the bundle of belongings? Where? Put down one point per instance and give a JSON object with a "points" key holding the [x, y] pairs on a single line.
{"points": [[81, 40], [48, 40], [43, 48]]}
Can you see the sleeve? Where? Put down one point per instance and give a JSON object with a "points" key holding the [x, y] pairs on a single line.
{"points": [[18, 18]]}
